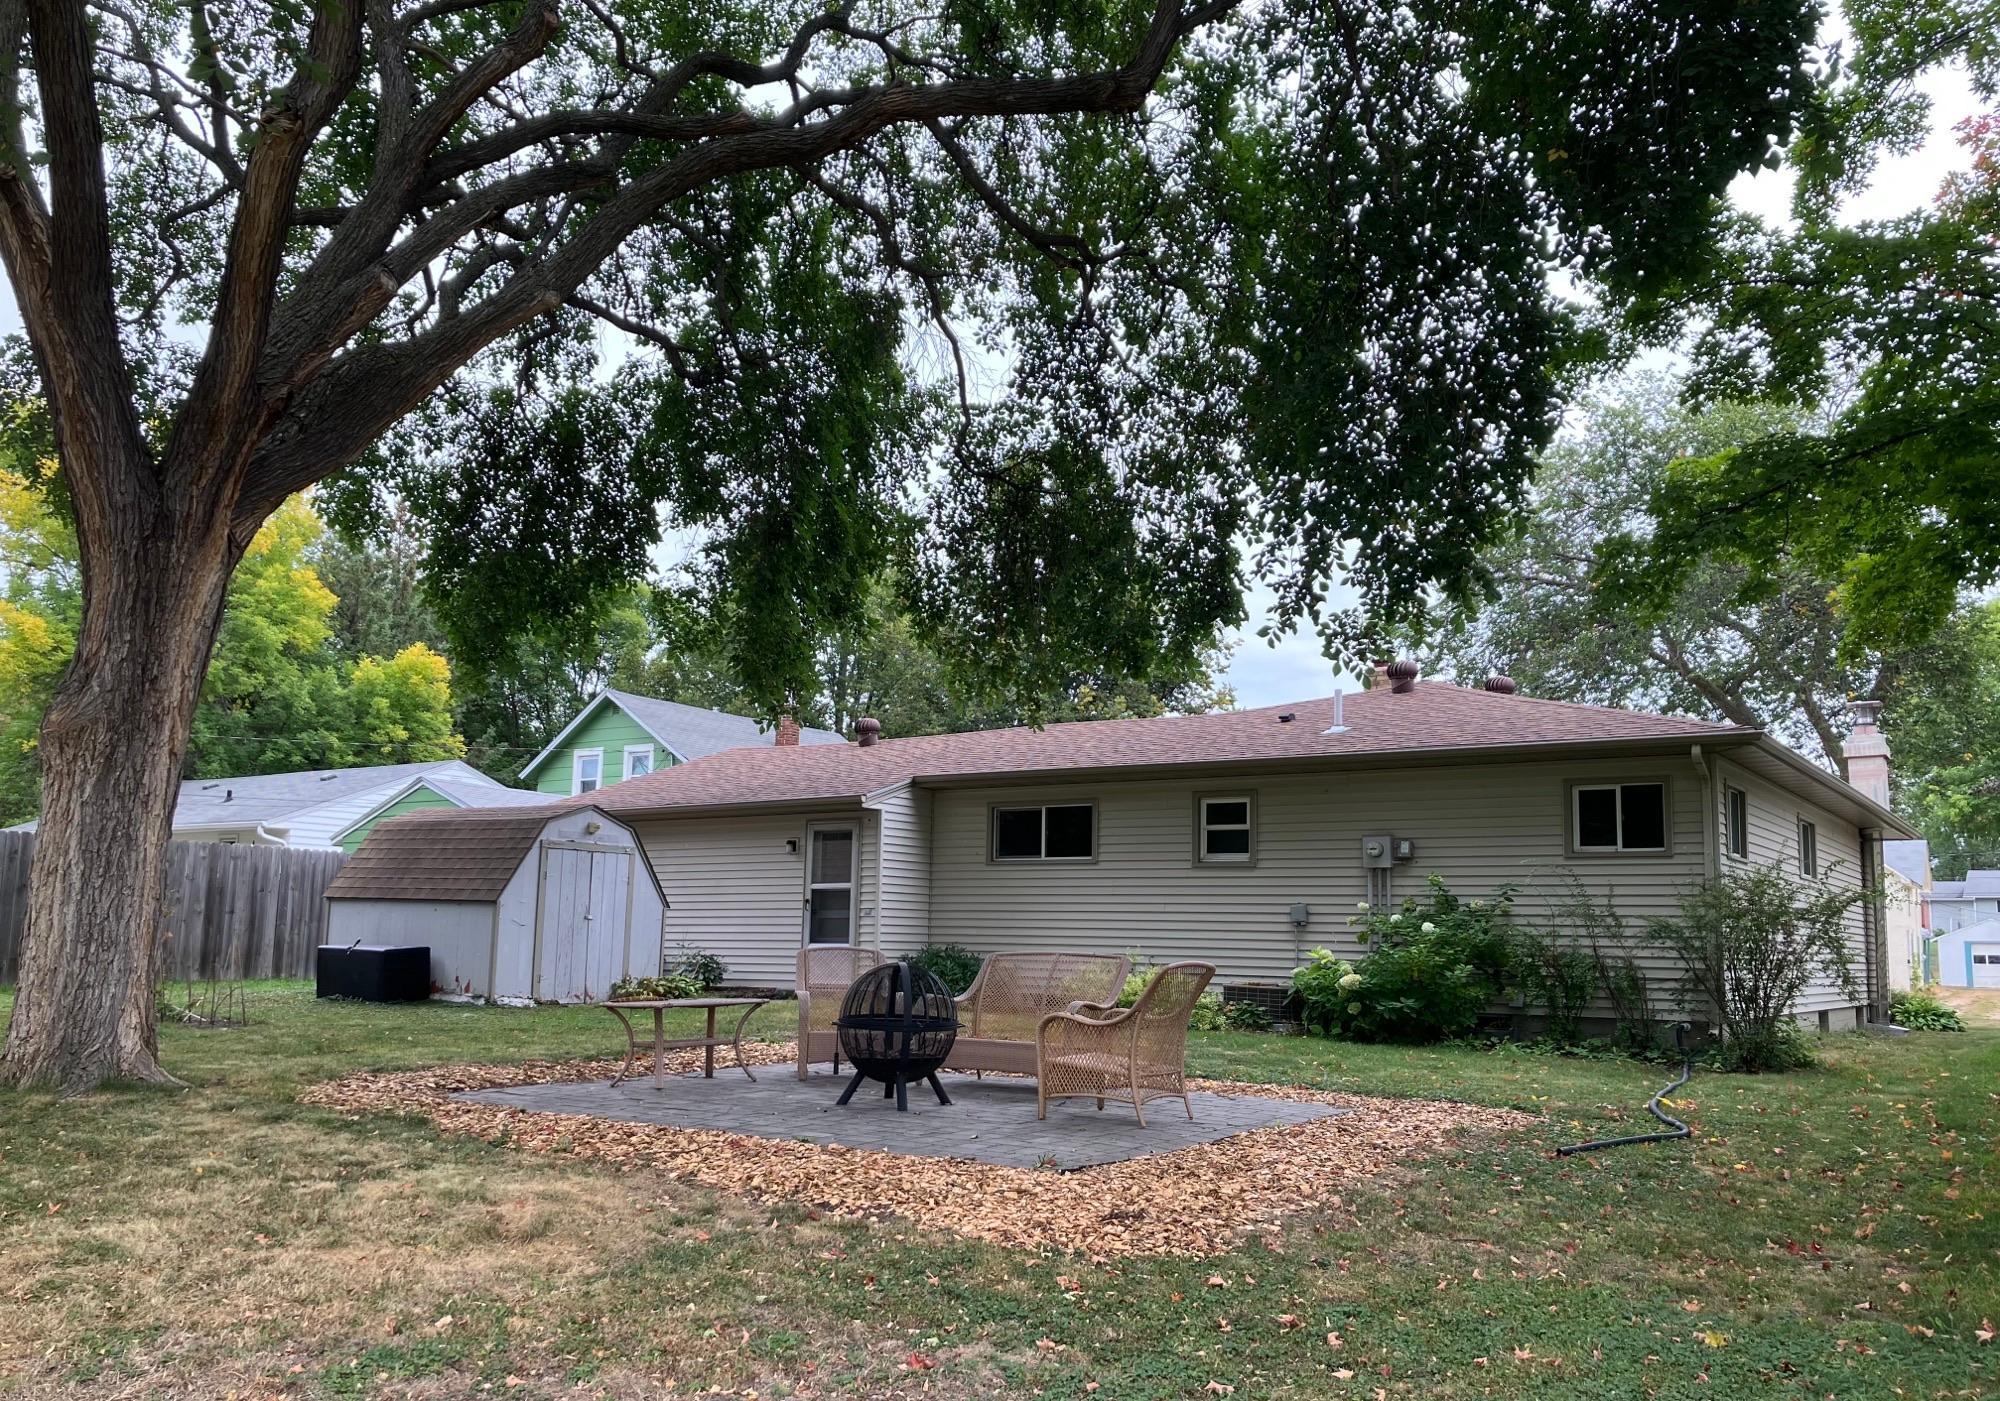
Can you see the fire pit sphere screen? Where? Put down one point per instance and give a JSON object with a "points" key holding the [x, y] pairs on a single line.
{"points": [[897, 1024]]}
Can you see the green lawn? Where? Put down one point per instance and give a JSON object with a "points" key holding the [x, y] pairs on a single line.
{"points": [[1830, 1233]]}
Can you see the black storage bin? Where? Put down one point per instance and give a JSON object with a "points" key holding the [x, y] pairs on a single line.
{"points": [[375, 972]]}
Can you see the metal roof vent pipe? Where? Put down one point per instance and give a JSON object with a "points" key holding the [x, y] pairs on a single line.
{"points": [[867, 731], [1403, 673], [1500, 685]]}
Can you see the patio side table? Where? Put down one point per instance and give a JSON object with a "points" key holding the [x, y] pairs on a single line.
{"points": [[659, 1007]]}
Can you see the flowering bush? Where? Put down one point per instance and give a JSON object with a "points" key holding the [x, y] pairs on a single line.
{"points": [[1433, 966]]}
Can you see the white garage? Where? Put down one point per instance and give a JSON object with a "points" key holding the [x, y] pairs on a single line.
{"points": [[516, 905], [1968, 957]]}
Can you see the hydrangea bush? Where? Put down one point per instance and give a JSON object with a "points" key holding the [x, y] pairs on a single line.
{"points": [[1433, 965]]}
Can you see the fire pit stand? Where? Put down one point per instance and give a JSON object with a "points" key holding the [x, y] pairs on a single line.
{"points": [[897, 1024]]}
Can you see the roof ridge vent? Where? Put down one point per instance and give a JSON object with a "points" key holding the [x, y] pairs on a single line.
{"points": [[1402, 674], [1499, 685]]}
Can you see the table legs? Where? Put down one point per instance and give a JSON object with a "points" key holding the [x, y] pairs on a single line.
{"points": [[736, 1040], [659, 1046], [708, 1048], [631, 1047]]}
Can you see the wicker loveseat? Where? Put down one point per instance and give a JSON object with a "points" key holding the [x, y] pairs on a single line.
{"points": [[1000, 1013]]}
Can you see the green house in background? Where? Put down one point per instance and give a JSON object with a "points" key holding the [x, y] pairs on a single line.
{"points": [[620, 736], [437, 790]]}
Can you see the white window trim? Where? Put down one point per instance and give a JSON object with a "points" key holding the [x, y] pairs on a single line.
{"points": [[994, 857], [576, 758], [632, 749], [1617, 787], [1203, 827]]}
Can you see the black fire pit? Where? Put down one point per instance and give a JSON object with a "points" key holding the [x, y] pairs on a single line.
{"points": [[896, 1025]]}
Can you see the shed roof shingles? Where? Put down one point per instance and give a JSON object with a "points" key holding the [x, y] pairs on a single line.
{"points": [[1431, 717], [441, 854]]}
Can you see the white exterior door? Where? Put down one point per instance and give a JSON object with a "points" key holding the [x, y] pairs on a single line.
{"points": [[829, 898], [585, 909], [1985, 965]]}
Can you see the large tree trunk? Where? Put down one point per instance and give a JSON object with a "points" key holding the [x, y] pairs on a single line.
{"points": [[111, 750]]}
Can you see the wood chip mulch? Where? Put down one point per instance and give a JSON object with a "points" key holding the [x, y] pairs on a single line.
{"points": [[1203, 1200]]}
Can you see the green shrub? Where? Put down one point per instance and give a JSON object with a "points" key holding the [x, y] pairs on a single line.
{"points": [[1749, 943], [700, 967], [1434, 965], [1919, 1011], [954, 965], [1558, 978], [1245, 1016], [661, 989]]}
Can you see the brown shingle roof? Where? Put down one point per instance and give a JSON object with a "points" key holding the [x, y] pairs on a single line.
{"points": [[442, 854], [1431, 717]]}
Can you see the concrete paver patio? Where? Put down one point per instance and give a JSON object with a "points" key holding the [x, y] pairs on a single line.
{"points": [[990, 1120]]}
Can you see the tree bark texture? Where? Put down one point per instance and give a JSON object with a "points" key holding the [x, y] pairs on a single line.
{"points": [[111, 750]]}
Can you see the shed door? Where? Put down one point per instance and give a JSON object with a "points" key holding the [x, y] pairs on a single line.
{"points": [[1985, 965], [585, 907]]}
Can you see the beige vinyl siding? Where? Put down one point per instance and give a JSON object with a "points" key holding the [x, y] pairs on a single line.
{"points": [[734, 890], [1774, 838], [1478, 827], [904, 820]]}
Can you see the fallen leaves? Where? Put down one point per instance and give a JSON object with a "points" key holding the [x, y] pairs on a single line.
{"points": [[1202, 1200]]}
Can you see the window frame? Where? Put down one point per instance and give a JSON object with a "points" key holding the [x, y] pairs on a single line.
{"points": [[576, 758], [1735, 834], [1245, 796], [651, 757], [1572, 826], [993, 857], [1808, 847]]}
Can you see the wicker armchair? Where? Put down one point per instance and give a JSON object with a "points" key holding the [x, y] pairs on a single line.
{"points": [[1136, 1053], [824, 975]]}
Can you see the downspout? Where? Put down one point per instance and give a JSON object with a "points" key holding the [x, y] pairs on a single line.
{"points": [[1711, 842], [1874, 933], [1711, 846]]}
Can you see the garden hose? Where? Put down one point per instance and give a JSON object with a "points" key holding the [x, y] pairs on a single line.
{"points": [[1680, 1130]]}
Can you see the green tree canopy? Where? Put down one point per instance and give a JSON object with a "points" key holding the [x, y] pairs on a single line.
{"points": [[279, 695], [1892, 325]]}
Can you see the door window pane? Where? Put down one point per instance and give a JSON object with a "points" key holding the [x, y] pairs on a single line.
{"points": [[1069, 835], [1644, 809], [832, 920], [1017, 834], [1596, 818], [833, 857]]}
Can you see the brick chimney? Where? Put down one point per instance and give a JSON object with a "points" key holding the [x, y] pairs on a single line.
{"points": [[867, 731], [1868, 752], [788, 731]]}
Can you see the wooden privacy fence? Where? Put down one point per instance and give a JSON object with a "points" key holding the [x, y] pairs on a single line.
{"points": [[232, 911]]}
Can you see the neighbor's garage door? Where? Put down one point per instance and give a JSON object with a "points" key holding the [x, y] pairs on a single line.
{"points": [[1986, 965]]}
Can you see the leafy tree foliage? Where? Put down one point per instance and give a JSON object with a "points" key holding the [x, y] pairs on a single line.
{"points": [[278, 696], [1946, 736], [1765, 646], [1893, 324]]}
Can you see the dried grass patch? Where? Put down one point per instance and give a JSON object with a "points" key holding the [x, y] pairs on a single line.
{"points": [[1203, 1200]]}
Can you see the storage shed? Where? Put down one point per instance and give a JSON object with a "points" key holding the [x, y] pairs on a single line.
{"points": [[516, 904]]}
